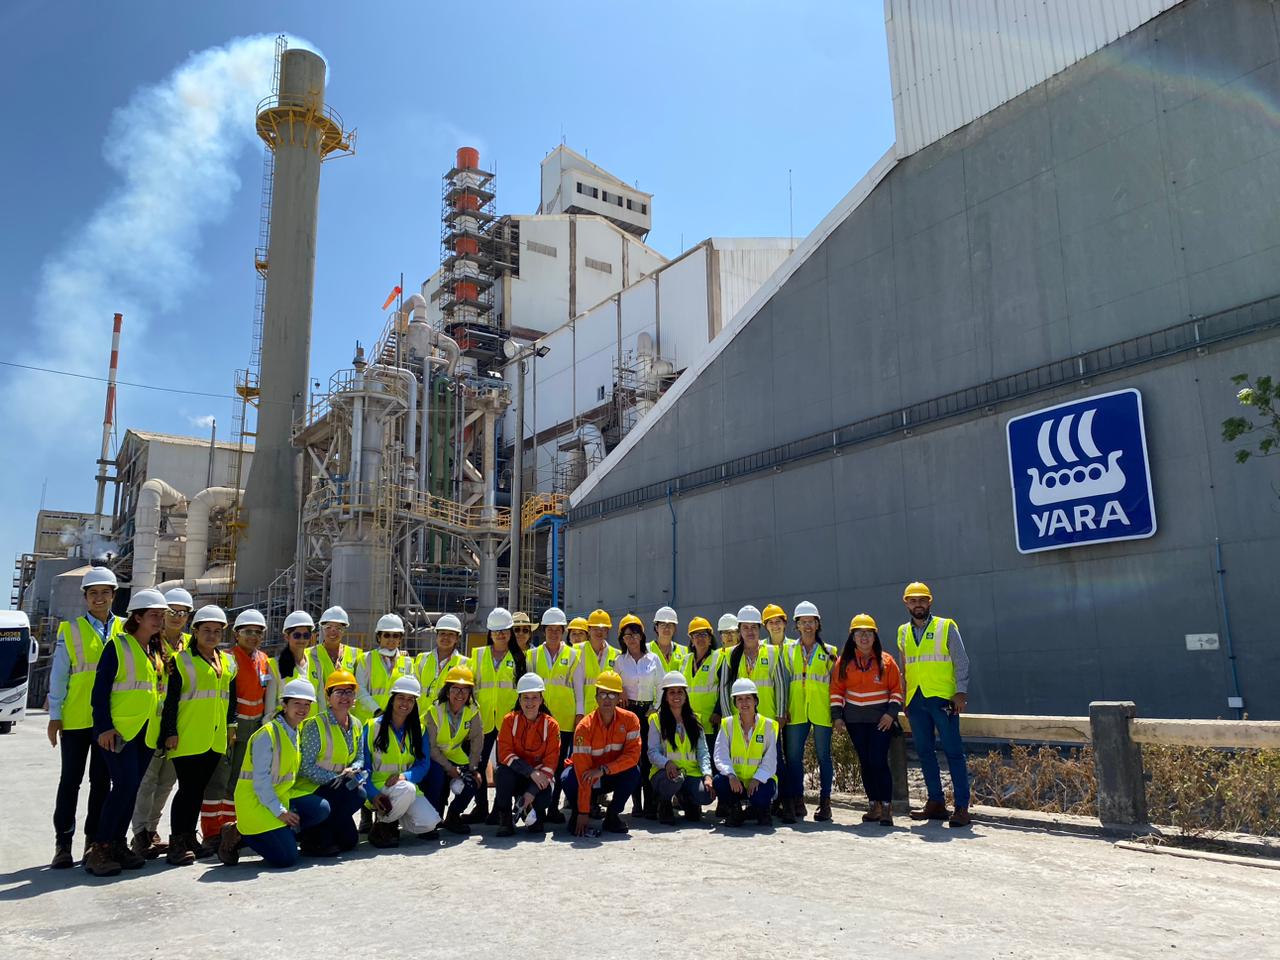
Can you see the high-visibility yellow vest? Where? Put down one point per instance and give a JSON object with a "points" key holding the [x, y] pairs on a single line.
{"points": [[202, 703], [495, 686], [746, 757], [704, 687], [591, 668], [927, 664], [133, 691], [397, 758], [431, 673], [761, 673], [558, 676], [251, 816], [810, 691], [320, 665], [334, 756], [673, 662], [167, 653], [84, 650], [449, 738], [380, 680], [683, 754]]}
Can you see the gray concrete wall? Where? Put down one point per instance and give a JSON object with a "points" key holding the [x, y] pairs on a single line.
{"points": [[1132, 191]]}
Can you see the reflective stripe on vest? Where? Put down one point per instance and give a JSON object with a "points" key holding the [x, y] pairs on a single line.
{"points": [[251, 816], [761, 673], [202, 704], [448, 738], [927, 664], [704, 687], [320, 665], [252, 673], [84, 650], [396, 758], [747, 757], [431, 675], [133, 691], [683, 755], [591, 668], [678, 655], [495, 687], [558, 676], [810, 692]]}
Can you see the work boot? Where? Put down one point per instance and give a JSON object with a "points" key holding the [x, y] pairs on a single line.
{"points": [[141, 842], [508, 827], [229, 845], [126, 857], [932, 810], [886, 814], [614, 824], [788, 812], [384, 835], [873, 812], [366, 820], [454, 824], [537, 827], [960, 818], [666, 813], [201, 847], [100, 861], [180, 852], [555, 815], [62, 858], [799, 809], [734, 816], [722, 808], [823, 814], [692, 812], [763, 819]]}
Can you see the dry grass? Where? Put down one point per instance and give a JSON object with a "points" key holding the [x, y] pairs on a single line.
{"points": [[1039, 778]]}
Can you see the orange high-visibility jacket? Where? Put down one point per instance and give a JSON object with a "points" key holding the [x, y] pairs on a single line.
{"points": [[536, 743], [615, 747]]}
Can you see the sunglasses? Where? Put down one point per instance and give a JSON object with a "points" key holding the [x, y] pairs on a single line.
{"points": [[344, 692], [608, 696], [300, 634], [176, 613], [524, 629]]}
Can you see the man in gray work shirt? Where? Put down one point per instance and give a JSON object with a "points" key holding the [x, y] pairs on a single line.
{"points": [[936, 672]]}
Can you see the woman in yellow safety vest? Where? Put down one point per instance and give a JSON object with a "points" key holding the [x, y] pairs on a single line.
{"points": [[331, 653], [746, 757], [397, 760], [124, 701], [331, 767], [198, 709], [664, 645], [727, 628], [457, 741], [497, 667], [270, 810], [595, 653], [433, 666], [556, 662], [377, 669], [678, 754], [809, 663], [293, 661], [702, 669]]}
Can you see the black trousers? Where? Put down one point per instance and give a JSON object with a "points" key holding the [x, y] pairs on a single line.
{"points": [[643, 798], [194, 773], [339, 828], [77, 749], [511, 785], [125, 770], [872, 747]]}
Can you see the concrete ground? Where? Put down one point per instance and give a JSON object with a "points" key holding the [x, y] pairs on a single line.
{"points": [[818, 890]]}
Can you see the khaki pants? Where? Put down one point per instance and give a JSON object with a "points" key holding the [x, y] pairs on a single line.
{"points": [[157, 784]]}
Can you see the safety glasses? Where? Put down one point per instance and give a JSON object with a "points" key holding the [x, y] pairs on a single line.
{"points": [[300, 634]]}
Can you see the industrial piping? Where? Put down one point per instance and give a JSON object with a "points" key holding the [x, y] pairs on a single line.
{"points": [[154, 495], [198, 510]]}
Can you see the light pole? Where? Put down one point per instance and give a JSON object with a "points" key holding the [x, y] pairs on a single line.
{"points": [[517, 355]]}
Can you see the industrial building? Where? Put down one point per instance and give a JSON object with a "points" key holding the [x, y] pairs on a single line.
{"points": [[1080, 203]]}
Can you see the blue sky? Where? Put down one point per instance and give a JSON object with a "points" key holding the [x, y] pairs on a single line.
{"points": [[109, 205]]}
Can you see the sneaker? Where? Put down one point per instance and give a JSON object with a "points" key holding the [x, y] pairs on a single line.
{"points": [[62, 858], [229, 845], [100, 861], [385, 835], [615, 824], [127, 858]]}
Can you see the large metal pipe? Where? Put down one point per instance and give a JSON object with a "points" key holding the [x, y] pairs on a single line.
{"points": [[411, 422], [198, 510], [153, 495]]}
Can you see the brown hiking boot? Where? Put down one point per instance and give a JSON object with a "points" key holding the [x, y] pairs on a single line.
{"points": [[62, 858], [933, 810], [385, 834], [180, 853], [872, 814], [798, 807], [100, 862], [121, 853], [823, 812], [960, 818], [229, 845]]}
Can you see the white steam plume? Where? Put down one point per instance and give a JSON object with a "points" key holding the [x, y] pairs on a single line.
{"points": [[174, 147]]}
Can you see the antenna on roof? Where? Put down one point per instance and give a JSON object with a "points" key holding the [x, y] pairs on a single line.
{"points": [[791, 211]]}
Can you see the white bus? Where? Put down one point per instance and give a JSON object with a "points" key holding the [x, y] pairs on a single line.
{"points": [[18, 652]]}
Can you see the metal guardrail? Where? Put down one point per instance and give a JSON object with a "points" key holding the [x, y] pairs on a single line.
{"points": [[1183, 337]]}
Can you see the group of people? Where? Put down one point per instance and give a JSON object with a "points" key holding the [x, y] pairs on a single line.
{"points": [[280, 754]]}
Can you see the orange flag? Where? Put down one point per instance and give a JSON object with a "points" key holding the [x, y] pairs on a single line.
{"points": [[391, 297]]}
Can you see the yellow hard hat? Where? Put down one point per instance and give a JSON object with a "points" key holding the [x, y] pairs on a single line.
{"points": [[700, 623], [578, 623], [340, 678], [461, 676], [598, 618], [771, 611], [917, 589], [863, 621], [609, 681], [630, 620]]}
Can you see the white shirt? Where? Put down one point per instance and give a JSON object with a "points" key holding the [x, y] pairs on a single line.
{"points": [[640, 678], [724, 756]]}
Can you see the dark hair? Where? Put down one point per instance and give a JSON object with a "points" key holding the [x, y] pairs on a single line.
{"points": [[735, 657], [412, 723], [443, 695], [850, 648], [517, 654], [134, 621], [286, 662], [667, 721], [542, 707]]}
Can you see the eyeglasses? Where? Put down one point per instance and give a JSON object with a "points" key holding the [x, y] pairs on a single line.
{"points": [[251, 631], [603, 695], [345, 692], [177, 613], [301, 634]]}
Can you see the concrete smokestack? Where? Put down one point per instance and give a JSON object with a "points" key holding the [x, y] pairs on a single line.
{"points": [[301, 132]]}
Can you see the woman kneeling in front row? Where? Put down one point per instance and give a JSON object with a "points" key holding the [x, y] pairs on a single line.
{"points": [[678, 754], [747, 757], [397, 761]]}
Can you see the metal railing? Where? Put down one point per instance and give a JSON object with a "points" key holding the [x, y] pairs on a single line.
{"points": [[1190, 335]]}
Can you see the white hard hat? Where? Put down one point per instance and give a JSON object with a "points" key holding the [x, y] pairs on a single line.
{"points": [[210, 613], [499, 619], [148, 599], [743, 686], [409, 685], [805, 609], [665, 615], [299, 618], [449, 622], [727, 622], [531, 683], [554, 617], [299, 689], [674, 678], [177, 597], [335, 614], [249, 618], [96, 577], [749, 614], [389, 623]]}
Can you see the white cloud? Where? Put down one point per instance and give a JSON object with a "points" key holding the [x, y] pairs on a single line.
{"points": [[203, 422]]}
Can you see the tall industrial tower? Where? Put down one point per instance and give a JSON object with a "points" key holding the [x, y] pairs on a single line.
{"points": [[300, 131]]}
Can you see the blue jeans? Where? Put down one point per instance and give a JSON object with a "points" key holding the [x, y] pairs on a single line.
{"points": [[339, 827], [436, 789], [931, 721], [125, 769], [279, 847], [796, 734], [619, 785], [763, 796]]}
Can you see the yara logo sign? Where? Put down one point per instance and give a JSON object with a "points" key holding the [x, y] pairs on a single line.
{"points": [[1079, 473]]}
